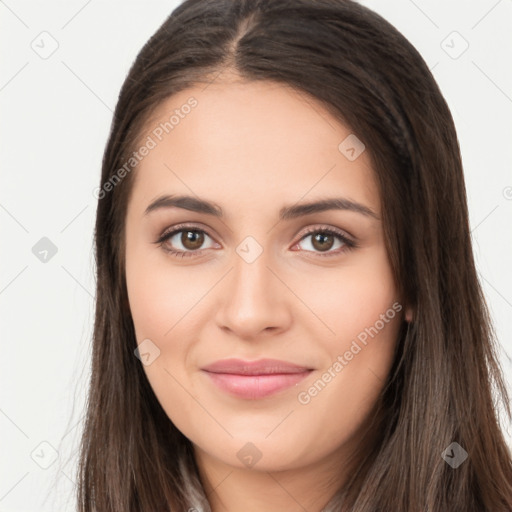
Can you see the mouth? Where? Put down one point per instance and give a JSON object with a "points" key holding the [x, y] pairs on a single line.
{"points": [[255, 379]]}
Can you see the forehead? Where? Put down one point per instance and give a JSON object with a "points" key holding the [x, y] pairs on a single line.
{"points": [[255, 142]]}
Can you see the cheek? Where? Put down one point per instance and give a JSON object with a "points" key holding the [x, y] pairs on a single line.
{"points": [[161, 296], [337, 404], [162, 307], [361, 307], [350, 299], [167, 307]]}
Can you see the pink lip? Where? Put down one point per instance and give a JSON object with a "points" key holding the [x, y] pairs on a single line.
{"points": [[255, 379]]}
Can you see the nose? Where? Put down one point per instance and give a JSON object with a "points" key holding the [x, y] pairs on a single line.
{"points": [[254, 301]]}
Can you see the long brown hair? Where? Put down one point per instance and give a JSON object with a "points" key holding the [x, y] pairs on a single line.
{"points": [[446, 381]]}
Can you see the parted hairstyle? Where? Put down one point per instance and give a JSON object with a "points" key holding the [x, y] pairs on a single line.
{"points": [[445, 384]]}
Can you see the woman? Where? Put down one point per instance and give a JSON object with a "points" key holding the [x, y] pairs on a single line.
{"points": [[288, 312]]}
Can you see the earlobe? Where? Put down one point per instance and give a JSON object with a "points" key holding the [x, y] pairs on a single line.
{"points": [[408, 314]]}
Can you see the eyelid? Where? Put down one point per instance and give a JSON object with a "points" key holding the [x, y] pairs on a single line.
{"points": [[307, 231], [326, 228], [181, 227], [348, 240]]}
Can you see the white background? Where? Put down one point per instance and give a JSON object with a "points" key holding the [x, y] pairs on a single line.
{"points": [[56, 115]]}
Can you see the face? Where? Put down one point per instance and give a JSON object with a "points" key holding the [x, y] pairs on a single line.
{"points": [[267, 329]]}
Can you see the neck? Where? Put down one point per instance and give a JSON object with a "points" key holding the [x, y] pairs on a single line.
{"points": [[231, 489]]}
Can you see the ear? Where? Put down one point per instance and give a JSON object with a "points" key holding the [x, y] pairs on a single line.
{"points": [[408, 314]]}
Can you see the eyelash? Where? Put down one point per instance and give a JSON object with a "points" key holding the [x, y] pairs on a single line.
{"points": [[348, 243]]}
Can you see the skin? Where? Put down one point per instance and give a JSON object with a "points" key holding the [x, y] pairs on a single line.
{"points": [[252, 148]]}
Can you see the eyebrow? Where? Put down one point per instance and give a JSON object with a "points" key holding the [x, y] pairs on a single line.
{"points": [[195, 204]]}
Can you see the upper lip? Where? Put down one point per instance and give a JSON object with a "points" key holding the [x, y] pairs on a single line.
{"points": [[259, 367]]}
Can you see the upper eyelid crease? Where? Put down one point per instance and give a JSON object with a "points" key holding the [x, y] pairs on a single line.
{"points": [[344, 237], [309, 231]]}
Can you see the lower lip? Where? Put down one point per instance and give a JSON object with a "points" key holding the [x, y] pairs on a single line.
{"points": [[255, 386]]}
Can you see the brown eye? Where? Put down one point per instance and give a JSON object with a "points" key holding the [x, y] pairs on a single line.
{"points": [[192, 240], [322, 242], [185, 241], [326, 242]]}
